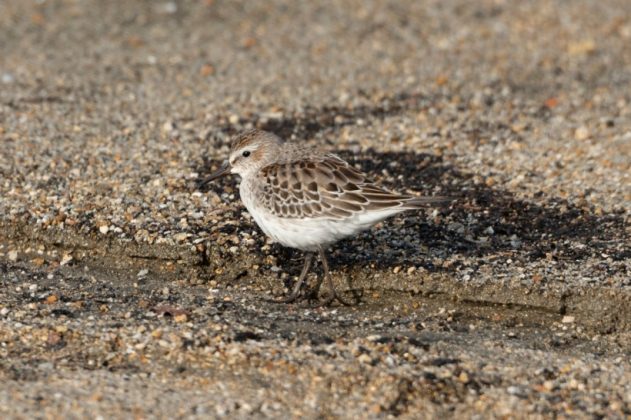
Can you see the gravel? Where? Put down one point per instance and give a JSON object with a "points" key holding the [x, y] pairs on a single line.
{"points": [[517, 295], [90, 344]]}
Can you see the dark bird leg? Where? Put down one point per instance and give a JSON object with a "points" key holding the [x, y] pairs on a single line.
{"points": [[303, 275], [327, 276]]}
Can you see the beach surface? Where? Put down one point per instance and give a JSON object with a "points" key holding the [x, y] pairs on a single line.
{"points": [[126, 290]]}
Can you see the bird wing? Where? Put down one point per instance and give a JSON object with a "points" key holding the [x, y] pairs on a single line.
{"points": [[327, 187]]}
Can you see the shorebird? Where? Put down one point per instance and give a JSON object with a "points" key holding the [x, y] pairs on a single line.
{"points": [[307, 199]]}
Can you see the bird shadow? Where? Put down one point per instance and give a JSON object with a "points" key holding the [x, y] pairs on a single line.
{"points": [[481, 220]]}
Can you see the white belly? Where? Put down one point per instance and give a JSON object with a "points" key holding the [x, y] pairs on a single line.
{"points": [[308, 234], [304, 234]]}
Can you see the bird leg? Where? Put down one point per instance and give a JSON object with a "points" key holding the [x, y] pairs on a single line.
{"points": [[334, 295], [303, 275]]}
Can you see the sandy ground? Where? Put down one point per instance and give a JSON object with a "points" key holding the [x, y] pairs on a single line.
{"points": [[128, 291]]}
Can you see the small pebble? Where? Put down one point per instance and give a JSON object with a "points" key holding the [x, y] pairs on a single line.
{"points": [[7, 78], [581, 133], [66, 259]]}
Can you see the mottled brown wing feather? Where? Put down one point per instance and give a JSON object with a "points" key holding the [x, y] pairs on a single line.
{"points": [[326, 186]]}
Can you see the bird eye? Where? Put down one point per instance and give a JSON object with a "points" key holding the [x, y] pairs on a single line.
{"points": [[246, 153]]}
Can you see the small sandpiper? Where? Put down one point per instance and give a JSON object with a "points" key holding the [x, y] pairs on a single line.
{"points": [[306, 199]]}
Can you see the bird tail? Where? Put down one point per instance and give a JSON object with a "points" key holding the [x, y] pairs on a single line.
{"points": [[419, 202]]}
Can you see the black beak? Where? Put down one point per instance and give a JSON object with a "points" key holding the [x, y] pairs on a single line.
{"points": [[225, 169]]}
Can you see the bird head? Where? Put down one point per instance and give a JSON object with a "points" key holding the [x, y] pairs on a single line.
{"points": [[250, 151]]}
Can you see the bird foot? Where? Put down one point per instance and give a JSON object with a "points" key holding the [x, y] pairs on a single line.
{"points": [[313, 293], [287, 299], [313, 296], [333, 297]]}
